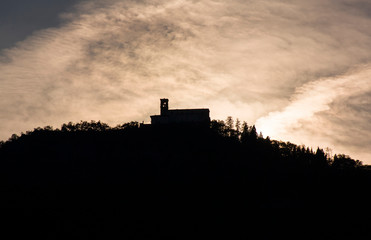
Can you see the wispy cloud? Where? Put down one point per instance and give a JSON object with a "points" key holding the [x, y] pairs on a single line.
{"points": [[282, 62], [328, 112]]}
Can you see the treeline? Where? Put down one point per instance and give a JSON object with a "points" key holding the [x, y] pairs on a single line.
{"points": [[296, 153], [176, 181], [234, 130]]}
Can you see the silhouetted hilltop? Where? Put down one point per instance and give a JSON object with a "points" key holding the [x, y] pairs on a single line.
{"points": [[164, 172]]}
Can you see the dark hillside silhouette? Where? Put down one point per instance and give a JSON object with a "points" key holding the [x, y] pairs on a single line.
{"points": [[176, 181]]}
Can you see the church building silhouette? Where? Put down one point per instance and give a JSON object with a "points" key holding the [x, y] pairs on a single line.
{"points": [[180, 116]]}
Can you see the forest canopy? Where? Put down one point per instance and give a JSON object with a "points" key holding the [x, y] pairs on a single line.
{"points": [[230, 128], [175, 180]]}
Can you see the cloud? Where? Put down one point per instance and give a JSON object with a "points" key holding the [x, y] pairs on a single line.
{"points": [[112, 60], [328, 112]]}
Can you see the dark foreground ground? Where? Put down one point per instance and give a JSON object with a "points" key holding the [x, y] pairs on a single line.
{"points": [[176, 183]]}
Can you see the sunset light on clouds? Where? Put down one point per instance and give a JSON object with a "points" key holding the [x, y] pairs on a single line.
{"points": [[300, 70]]}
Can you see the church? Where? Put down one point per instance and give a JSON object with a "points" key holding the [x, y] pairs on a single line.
{"points": [[180, 116]]}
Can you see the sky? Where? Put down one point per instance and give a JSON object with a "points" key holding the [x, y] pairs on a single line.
{"points": [[299, 70]]}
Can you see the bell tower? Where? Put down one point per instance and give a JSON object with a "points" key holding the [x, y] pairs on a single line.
{"points": [[164, 106]]}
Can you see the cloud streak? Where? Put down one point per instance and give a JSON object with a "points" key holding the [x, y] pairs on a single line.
{"points": [[283, 64], [322, 112]]}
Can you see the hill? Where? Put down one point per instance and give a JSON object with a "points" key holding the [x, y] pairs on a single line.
{"points": [[175, 181]]}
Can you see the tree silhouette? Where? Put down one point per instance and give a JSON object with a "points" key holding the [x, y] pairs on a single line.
{"points": [[343, 161], [164, 178]]}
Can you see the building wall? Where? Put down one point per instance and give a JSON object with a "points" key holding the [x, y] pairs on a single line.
{"points": [[182, 116]]}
